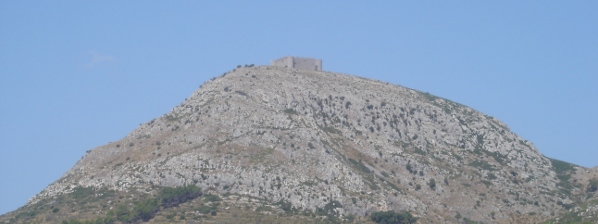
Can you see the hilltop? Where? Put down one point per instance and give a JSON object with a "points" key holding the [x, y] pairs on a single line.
{"points": [[267, 143]]}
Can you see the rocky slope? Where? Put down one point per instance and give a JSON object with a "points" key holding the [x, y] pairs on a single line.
{"points": [[331, 144]]}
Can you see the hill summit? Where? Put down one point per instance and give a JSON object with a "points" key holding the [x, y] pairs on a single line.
{"points": [[265, 144]]}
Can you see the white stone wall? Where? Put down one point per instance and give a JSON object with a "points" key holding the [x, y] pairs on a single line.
{"points": [[283, 62], [307, 64], [299, 63]]}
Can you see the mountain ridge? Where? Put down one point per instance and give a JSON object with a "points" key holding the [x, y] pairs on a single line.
{"points": [[345, 145]]}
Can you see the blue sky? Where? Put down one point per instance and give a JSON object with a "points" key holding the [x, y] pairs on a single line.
{"points": [[75, 75]]}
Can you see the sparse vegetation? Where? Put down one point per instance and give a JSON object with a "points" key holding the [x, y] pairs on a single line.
{"points": [[419, 151], [391, 217], [330, 130], [141, 210], [561, 167], [409, 168], [491, 176], [563, 172], [482, 165], [211, 198], [592, 186], [290, 111], [360, 166], [174, 196]]}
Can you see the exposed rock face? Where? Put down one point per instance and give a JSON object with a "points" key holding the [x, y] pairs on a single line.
{"points": [[316, 138]]}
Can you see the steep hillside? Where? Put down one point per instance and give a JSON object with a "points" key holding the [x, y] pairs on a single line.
{"points": [[317, 146]]}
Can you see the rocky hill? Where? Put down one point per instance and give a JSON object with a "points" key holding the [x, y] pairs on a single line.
{"points": [[275, 144]]}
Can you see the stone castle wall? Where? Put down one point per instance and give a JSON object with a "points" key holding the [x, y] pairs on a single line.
{"points": [[299, 63]]}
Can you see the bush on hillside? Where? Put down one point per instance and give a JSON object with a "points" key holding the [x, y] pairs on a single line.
{"points": [[144, 210], [171, 197], [593, 185], [391, 217]]}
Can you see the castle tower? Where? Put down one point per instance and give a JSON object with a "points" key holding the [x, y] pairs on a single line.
{"points": [[298, 63]]}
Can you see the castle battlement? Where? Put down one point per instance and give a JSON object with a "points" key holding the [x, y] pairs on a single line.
{"points": [[298, 63]]}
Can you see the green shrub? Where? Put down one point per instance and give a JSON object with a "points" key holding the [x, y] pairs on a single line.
{"points": [[593, 185], [204, 209], [174, 196], [432, 184], [391, 217], [290, 111], [419, 151], [561, 166], [360, 166], [80, 193], [285, 206], [145, 210], [241, 93], [409, 168], [171, 216], [481, 164], [211, 198]]}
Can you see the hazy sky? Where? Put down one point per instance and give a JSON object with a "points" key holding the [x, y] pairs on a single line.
{"points": [[75, 75]]}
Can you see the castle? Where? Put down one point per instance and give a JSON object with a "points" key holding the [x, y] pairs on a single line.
{"points": [[298, 63]]}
